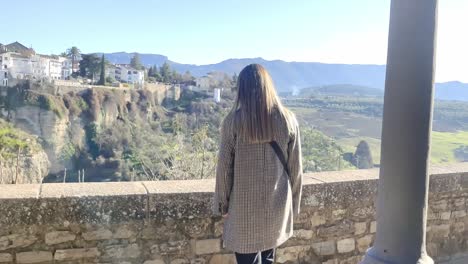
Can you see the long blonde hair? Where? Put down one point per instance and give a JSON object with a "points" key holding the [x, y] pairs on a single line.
{"points": [[256, 104]]}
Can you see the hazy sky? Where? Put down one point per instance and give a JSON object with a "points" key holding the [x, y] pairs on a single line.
{"points": [[209, 31]]}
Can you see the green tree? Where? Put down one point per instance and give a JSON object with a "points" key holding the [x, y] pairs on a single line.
{"points": [[187, 77], [320, 153], [165, 72], [89, 65], [234, 81], [135, 62], [109, 79], [156, 74], [362, 157], [150, 72], [75, 54], [102, 78], [175, 77]]}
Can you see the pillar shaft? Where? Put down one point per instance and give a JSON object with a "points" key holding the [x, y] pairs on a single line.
{"points": [[407, 123]]}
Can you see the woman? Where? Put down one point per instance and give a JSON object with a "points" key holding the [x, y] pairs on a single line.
{"points": [[259, 170]]}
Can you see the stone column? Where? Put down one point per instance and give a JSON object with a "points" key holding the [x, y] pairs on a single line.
{"points": [[404, 182]]}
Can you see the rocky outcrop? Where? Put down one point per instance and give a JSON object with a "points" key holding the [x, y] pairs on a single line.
{"points": [[50, 128], [67, 124], [32, 168]]}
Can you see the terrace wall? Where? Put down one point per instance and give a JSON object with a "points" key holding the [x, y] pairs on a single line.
{"points": [[171, 221]]}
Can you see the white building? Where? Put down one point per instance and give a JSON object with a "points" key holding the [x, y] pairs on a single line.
{"points": [[125, 73], [3, 77], [23, 63], [217, 95], [203, 82], [66, 68]]}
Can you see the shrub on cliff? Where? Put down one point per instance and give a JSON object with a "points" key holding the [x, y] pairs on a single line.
{"points": [[320, 152], [362, 158], [46, 101]]}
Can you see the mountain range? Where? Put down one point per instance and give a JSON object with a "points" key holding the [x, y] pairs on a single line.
{"points": [[293, 76]]}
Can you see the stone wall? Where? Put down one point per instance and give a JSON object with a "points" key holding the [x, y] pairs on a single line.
{"points": [[170, 222], [162, 91]]}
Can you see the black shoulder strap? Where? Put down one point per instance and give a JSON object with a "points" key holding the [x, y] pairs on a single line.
{"points": [[280, 155]]}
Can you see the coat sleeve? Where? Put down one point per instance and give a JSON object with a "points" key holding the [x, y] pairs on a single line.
{"points": [[224, 170], [295, 169]]}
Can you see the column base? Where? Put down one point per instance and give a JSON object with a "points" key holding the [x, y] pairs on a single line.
{"points": [[373, 257]]}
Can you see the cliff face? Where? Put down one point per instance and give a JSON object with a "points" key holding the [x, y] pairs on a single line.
{"points": [[22, 158], [65, 123], [52, 130], [32, 168]]}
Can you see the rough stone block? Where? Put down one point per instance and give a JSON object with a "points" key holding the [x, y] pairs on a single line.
{"points": [[326, 248], [439, 231], [291, 253], [438, 215], [439, 205], [223, 259], [123, 252], [58, 237], [338, 230], [338, 214], [352, 260], [172, 247], [197, 228], [360, 228], [100, 234], [16, 241], [346, 245], [445, 215], [458, 214], [76, 254], [34, 257], [364, 212], [6, 257], [317, 220], [373, 227], [459, 203], [218, 228], [124, 232], [364, 243], [458, 228], [207, 246], [304, 234]]}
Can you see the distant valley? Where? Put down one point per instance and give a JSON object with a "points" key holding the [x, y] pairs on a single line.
{"points": [[293, 76]]}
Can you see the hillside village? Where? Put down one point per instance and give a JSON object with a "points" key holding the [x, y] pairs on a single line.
{"points": [[18, 62], [57, 113]]}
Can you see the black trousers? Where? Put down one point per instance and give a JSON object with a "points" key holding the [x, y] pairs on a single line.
{"points": [[263, 257]]}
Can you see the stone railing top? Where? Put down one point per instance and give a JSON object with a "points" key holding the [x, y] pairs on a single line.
{"points": [[118, 202], [97, 189]]}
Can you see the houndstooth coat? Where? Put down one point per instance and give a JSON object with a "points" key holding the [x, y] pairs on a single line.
{"points": [[255, 191]]}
